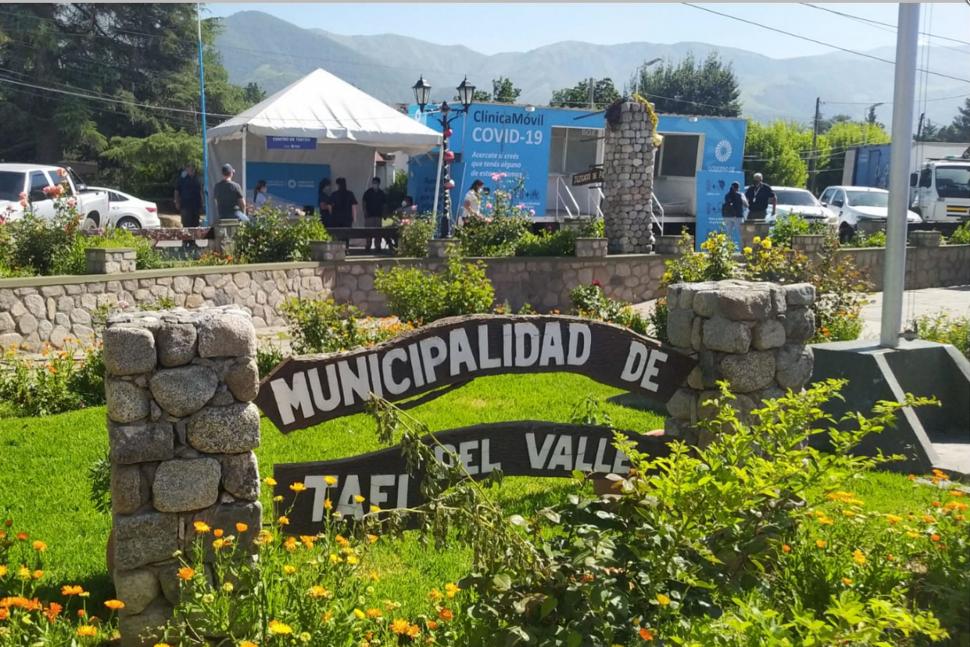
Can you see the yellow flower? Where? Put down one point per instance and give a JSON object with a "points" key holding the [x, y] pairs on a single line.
{"points": [[766, 243], [334, 558], [341, 540], [270, 481], [23, 573], [241, 527], [747, 251], [3, 570], [278, 628], [327, 504], [372, 538], [186, 573], [263, 538], [451, 589], [245, 643], [318, 592], [297, 487], [39, 546], [290, 544], [201, 527], [400, 626], [352, 560], [219, 544], [87, 631], [847, 581], [821, 543], [330, 480], [434, 595], [307, 540], [358, 498], [327, 616], [893, 519], [858, 557], [167, 645], [289, 569], [283, 520], [375, 508], [825, 521], [373, 613], [277, 498], [756, 240], [662, 599], [72, 589], [115, 605], [360, 614]]}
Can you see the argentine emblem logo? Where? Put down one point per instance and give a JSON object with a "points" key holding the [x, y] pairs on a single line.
{"points": [[723, 150]]}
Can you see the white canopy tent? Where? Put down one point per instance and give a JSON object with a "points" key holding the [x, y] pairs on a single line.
{"points": [[349, 127]]}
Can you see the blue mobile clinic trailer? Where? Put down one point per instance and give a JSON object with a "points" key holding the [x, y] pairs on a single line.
{"points": [[699, 158]]}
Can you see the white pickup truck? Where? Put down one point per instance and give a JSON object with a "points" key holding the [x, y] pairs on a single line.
{"points": [[28, 181]]}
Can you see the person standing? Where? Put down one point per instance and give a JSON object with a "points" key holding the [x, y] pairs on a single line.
{"points": [[260, 194], [732, 212], [323, 199], [343, 205], [374, 203], [188, 196], [471, 206], [759, 195], [230, 201]]}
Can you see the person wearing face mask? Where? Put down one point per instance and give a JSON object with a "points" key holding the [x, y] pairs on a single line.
{"points": [[471, 206], [374, 202]]}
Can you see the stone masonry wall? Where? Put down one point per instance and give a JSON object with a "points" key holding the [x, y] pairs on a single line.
{"points": [[628, 178], [926, 267], [181, 433], [752, 335]]}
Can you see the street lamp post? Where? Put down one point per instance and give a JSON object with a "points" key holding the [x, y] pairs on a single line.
{"points": [[865, 122], [640, 68], [446, 115]]}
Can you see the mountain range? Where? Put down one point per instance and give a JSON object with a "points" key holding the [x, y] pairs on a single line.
{"points": [[256, 46]]}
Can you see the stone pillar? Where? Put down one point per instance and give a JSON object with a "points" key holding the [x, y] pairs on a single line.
{"points": [[628, 178], [667, 245], [753, 229], [590, 247], [181, 434], [443, 247], [808, 243], [752, 335], [223, 232], [925, 238], [110, 260]]}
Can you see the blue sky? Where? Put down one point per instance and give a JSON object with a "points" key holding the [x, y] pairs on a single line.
{"points": [[493, 27]]}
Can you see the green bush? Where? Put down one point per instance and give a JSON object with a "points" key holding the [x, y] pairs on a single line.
{"points": [[267, 358], [496, 236], [37, 242], [714, 263], [322, 325], [546, 243], [862, 239], [271, 237], [590, 301], [87, 378], [414, 235], [946, 329], [420, 297], [960, 236], [788, 226], [71, 259]]}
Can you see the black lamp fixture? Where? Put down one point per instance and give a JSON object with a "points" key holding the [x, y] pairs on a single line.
{"points": [[445, 115]]}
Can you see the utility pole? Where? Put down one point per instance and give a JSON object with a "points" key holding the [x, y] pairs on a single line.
{"points": [[894, 277], [814, 160], [592, 94]]}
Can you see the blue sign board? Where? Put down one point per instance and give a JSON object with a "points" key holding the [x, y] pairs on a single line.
{"points": [[287, 184], [291, 143], [711, 188]]}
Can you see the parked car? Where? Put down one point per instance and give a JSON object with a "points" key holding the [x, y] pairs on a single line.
{"points": [[128, 212], [802, 203], [860, 206], [28, 181]]}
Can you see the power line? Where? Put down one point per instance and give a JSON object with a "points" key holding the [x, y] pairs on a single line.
{"points": [[816, 41], [885, 24]]}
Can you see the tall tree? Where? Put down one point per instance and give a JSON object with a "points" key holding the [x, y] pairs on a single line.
{"points": [[604, 93], [959, 130], [839, 138], [136, 59], [503, 91], [697, 88], [780, 151]]}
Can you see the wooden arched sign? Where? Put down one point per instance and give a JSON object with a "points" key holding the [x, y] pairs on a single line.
{"points": [[304, 391]]}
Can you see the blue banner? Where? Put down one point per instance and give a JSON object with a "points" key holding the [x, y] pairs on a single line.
{"points": [[712, 186], [291, 143], [287, 184]]}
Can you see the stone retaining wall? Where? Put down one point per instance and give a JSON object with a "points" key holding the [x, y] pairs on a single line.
{"points": [[181, 433], [56, 308]]}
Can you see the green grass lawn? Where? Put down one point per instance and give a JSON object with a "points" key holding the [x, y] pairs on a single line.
{"points": [[43, 465]]}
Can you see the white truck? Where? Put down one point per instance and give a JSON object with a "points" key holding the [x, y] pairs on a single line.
{"points": [[941, 190], [21, 183]]}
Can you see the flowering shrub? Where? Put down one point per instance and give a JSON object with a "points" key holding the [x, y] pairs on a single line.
{"points": [[70, 259], [419, 297], [414, 234], [55, 384], [547, 243], [324, 326], [307, 590], [790, 225], [590, 301], [946, 329], [486, 236], [714, 263], [862, 239], [215, 257], [37, 243], [505, 199], [67, 618], [271, 236]]}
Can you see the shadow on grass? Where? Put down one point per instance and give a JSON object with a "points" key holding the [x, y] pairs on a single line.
{"points": [[638, 402]]}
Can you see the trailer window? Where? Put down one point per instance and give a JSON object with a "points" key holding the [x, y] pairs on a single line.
{"points": [[678, 155], [573, 149], [953, 181]]}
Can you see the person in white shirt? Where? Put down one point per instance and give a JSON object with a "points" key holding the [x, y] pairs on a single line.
{"points": [[260, 194], [472, 204]]}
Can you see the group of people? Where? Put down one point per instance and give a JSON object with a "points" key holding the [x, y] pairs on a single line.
{"points": [[753, 203]]}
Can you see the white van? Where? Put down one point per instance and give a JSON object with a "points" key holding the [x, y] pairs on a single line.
{"points": [[30, 180]]}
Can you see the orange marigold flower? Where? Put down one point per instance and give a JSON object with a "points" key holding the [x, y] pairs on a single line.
{"points": [[37, 574], [52, 611], [87, 631], [39, 546], [858, 557], [413, 631], [72, 589], [241, 527], [893, 519], [434, 595], [4, 614], [22, 536], [645, 634], [374, 613], [936, 504], [186, 573], [114, 605], [847, 581], [400, 626], [432, 625], [318, 592], [821, 543], [372, 538], [341, 540], [445, 613], [935, 537], [283, 520]]}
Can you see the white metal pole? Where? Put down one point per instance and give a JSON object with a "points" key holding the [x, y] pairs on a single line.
{"points": [[437, 183], [245, 135], [894, 277]]}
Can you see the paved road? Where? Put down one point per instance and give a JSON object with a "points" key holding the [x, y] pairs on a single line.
{"points": [[955, 301]]}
